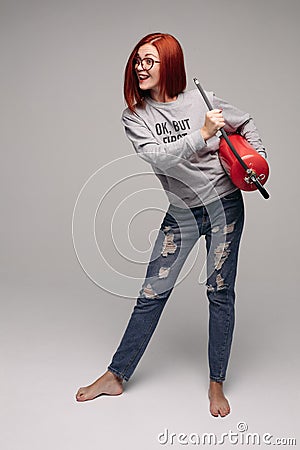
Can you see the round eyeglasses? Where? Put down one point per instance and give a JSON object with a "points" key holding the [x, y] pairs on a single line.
{"points": [[146, 63]]}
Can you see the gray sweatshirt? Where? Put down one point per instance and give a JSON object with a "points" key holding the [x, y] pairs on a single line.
{"points": [[167, 135]]}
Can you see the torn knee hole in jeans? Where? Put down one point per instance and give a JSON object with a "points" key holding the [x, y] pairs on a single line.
{"points": [[149, 292], [169, 246], [163, 272], [221, 254], [229, 228], [219, 284]]}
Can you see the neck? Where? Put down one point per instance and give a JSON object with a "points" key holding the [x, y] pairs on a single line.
{"points": [[156, 96]]}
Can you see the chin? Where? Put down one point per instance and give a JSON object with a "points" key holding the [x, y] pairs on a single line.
{"points": [[143, 87]]}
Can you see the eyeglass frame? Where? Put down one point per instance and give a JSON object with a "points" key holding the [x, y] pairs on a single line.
{"points": [[137, 61]]}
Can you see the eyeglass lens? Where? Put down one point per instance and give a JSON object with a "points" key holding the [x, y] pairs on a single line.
{"points": [[147, 63]]}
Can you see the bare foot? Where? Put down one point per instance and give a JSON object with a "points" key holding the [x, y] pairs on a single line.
{"points": [[218, 402], [108, 384]]}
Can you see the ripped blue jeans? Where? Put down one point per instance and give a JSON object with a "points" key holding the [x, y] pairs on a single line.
{"points": [[221, 222]]}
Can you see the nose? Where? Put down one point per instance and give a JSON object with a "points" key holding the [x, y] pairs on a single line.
{"points": [[139, 66]]}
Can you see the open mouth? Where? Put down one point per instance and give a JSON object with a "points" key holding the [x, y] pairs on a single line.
{"points": [[142, 77]]}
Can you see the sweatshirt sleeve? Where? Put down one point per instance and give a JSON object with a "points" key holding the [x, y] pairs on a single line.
{"points": [[235, 119], [249, 131], [163, 156]]}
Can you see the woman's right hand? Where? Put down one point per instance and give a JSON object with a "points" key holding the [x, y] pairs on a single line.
{"points": [[214, 120]]}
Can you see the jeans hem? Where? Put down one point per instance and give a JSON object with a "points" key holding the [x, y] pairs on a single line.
{"points": [[118, 374], [217, 379]]}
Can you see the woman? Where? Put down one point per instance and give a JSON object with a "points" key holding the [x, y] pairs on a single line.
{"points": [[172, 130]]}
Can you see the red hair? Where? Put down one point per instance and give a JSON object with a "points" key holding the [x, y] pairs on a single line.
{"points": [[172, 70]]}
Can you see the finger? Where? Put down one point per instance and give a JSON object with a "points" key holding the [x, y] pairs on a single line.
{"points": [[219, 122], [217, 116], [216, 110]]}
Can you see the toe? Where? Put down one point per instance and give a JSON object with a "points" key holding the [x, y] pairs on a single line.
{"points": [[224, 411], [214, 412], [80, 394]]}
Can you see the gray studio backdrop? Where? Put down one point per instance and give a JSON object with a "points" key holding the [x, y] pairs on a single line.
{"points": [[65, 303]]}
